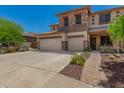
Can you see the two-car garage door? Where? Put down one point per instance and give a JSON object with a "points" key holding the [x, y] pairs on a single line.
{"points": [[52, 44], [55, 44]]}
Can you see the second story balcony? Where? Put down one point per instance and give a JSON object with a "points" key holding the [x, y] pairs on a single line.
{"points": [[75, 27]]}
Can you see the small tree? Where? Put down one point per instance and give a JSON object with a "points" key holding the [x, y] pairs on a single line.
{"points": [[10, 33], [116, 31]]}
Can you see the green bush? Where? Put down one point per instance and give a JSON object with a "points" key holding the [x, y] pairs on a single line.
{"points": [[85, 55], [103, 49], [87, 49], [77, 59]]}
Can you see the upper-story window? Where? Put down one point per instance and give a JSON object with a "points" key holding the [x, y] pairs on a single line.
{"points": [[78, 19], [65, 21], [104, 18]]}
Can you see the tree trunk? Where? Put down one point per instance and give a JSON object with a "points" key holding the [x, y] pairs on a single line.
{"points": [[119, 46], [115, 46]]}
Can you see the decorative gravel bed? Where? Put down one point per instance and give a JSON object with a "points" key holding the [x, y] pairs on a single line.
{"points": [[114, 71], [74, 70]]}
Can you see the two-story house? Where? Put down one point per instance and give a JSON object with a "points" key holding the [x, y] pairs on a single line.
{"points": [[78, 29]]}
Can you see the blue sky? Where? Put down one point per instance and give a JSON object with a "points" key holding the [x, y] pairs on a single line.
{"points": [[34, 18]]}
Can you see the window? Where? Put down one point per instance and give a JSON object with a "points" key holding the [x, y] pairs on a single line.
{"points": [[104, 18], [93, 23], [65, 21], [117, 12], [105, 40], [78, 19]]}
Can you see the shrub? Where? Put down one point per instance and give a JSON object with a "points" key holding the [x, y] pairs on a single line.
{"points": [[103, 49], [77, 59], [3, 50], [87, 49], [107, 49], [121, 50], [85, 55], [23, 48]]}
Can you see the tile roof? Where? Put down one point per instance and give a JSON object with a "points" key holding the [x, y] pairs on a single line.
{"points": [[30, 34]]}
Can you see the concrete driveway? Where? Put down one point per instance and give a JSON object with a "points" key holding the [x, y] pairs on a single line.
{"points": [[35, 69]]}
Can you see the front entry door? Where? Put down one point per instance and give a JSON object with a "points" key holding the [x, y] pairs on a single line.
{"points": [[93, 43]]}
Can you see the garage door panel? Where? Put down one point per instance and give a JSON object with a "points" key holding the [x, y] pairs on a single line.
{"points": [[75, 44], [53, 44]]}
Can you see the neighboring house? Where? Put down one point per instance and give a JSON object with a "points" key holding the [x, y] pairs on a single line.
{"points": [[78, 29], [30, 39]]}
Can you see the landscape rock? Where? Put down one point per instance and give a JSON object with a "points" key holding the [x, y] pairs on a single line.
{"points": [[122, 58], [78, 53], [106, 54], [112, 57], [117, 55]]}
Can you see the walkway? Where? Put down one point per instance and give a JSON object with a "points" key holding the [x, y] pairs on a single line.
{"points": [[91, 73]]}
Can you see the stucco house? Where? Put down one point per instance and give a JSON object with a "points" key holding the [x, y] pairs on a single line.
{"points": [[78, 29]]}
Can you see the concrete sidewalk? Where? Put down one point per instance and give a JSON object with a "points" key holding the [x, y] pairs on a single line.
{"points": [[61, 81], [91, 72]]}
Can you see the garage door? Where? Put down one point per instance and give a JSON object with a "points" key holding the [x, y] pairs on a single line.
{"points": [[52, 44], [75, 43]]}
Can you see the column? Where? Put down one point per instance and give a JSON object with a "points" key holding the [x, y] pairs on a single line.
{"points": [[98, 41]]}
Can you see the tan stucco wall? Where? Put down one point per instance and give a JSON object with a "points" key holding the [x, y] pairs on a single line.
{"points": [[96, 20], [78, 33], [71, 16]]}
